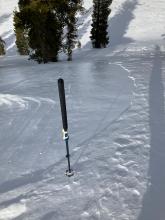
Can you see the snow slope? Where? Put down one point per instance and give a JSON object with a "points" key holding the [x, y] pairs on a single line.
{"points": [[147, 21], [116, 112], [6, 24]]}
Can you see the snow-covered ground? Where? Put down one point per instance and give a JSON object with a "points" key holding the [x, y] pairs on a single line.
{"points": [[6, 24], [116, 112]]}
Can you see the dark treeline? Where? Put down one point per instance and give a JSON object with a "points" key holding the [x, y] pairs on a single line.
{"points": [[101, 12], [2, 47], [44, 28]]}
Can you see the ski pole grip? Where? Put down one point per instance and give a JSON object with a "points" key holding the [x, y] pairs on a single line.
{"points": [[61, 90]]}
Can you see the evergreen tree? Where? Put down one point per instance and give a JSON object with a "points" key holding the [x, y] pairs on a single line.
{"points": [[2, 47], [99, 34], [73, 7], [45, 36], [42, 21], [39, 25], [21, 36]]}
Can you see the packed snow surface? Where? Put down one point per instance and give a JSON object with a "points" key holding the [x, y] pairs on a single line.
{"points": [[116, 113]]}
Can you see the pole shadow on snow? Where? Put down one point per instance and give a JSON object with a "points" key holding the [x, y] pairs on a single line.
{"points": [[29, 178], [50, 215], [118, 25], [154, 199]]}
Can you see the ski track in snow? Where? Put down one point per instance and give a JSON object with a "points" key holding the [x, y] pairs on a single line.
{"points": [[22, 101]]}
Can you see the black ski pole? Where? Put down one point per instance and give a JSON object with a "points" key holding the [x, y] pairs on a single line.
{"points": [[61, 89]]}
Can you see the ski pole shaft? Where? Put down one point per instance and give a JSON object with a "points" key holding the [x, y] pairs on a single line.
{"points": [[68, 155], [63, 103], [61, 89]]}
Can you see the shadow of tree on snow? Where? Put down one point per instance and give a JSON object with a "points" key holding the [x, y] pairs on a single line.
{"points": [[118, 25], [4, 17], [10, 41], [154, 199]]}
